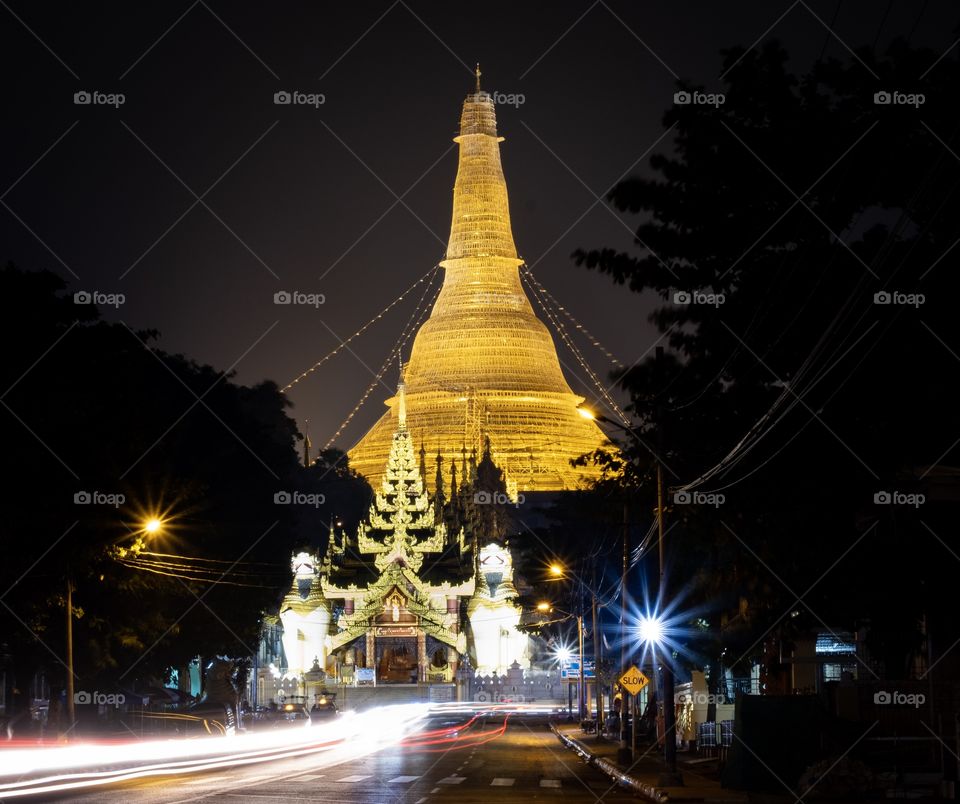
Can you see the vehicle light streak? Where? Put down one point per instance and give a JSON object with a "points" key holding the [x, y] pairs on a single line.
{"points": [[57, 769], [460, 742]]}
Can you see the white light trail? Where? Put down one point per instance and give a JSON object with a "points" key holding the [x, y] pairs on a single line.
{"points": [[57, 769]]}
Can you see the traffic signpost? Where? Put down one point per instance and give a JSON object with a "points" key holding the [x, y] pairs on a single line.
{"points": [[634, 680], [570, 670], [631, 682]]}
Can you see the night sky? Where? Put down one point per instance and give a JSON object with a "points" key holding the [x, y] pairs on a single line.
{"points": [[304, 199]]}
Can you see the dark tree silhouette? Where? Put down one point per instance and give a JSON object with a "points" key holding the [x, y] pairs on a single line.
{"points": [[779, 217], [95, 407]]}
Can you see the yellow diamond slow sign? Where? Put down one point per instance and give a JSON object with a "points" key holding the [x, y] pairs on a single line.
{"points": [[633, 680]]}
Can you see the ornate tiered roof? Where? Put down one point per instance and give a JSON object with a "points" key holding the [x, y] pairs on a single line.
{"points": [[402, 524]]}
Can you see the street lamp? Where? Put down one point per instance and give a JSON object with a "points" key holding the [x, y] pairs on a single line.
{"points": [[557, 573], [651, 630], [149, 526], [563, 654], [547, 607], [671, 775]]}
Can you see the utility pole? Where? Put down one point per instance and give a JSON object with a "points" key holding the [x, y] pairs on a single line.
{"points": [[581, 697], [596, 656], [71, 707], [670, 775], [624, 753]]}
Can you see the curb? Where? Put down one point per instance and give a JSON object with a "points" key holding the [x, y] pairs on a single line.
{"points": [[648, 791]]}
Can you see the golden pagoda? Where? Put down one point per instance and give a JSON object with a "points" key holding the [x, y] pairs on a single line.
{"points": [[483, 365]]}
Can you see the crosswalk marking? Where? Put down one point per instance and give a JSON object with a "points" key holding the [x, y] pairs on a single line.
{"points": [[310, 778], [550, 783], [357, 778], [403, 779], [452, 780], [501, 782]]}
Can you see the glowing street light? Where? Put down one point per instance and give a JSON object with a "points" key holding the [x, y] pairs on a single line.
{"points": [[563, 654], [556, 570], [586, 413], [651, 630], [153, 525], [544, 607]]}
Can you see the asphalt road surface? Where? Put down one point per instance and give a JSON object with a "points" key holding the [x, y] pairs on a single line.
{"points": [[493, 761]]}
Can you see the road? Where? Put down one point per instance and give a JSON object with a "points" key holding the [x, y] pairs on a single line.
{"points": [[496, 759]]}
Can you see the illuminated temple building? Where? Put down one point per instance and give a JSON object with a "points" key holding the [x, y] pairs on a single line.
{"points": [[483, 366], [424, 585]]}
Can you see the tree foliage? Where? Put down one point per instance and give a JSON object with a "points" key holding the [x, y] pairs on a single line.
{"points": [[97, 408], [788, 209]]}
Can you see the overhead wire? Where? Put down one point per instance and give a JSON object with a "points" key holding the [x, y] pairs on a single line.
{"points": [[360, 331], [412, 325], [594, 341], [572, 347]]}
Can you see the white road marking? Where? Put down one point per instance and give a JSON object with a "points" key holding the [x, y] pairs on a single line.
{"points": [[502, 782], [403, 779], [550, 783], [421, 800], [435, 790], [452, 780], [207, 780], [357, 778], [311, 778]]}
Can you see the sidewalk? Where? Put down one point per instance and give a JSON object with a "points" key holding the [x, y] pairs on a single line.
{"points": [[644, 773]]}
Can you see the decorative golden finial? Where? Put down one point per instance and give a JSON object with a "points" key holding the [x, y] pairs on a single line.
{"points": [[477, 73]]}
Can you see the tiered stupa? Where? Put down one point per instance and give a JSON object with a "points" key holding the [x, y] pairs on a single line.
{"points": [[483, 365]]}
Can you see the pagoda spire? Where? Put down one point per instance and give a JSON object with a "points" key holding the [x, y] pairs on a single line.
{"points": [[483, 347], [438, 488], [401, 524]]}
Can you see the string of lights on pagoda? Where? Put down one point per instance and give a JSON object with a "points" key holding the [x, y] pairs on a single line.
{"points": [[427, 276], [568, 342], [501, 374], [413, 324], [570, 317]]}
